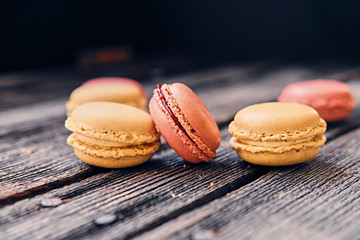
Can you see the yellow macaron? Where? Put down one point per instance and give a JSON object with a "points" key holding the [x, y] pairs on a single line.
{"points": [[277, 134], [112, 135], [108, 89]]}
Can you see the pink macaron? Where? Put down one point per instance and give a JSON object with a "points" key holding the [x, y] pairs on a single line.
{"points": [[185, 122], [332, 99]]}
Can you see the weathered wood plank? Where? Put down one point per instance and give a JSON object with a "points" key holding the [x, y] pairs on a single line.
{"points": [[39, 128], [316, 200], [38, 160], [211, 85], [33, 149], [29, 87], [226, 84], [33, 116], [19, 89], [47, 85], [226, 101], [142, 197], [23, 118]]}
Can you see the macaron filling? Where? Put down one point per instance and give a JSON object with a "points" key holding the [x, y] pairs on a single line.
{"points": [[239, 133], [278, 143], [112, 152], [278, 147], [168, 109], [104, 142], [205, 152]]}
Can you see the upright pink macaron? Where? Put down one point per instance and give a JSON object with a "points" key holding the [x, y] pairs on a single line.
{"points": [[185, 122], [332, 99]]}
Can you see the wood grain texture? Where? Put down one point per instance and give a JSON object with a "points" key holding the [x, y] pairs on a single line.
{"points": [[36, 160], [36, 164], [142, 197], [235, 85], [224, 90], [316, 200], [23, 117], [36, 86], [19, 89], [33, 151], [33, 138]]}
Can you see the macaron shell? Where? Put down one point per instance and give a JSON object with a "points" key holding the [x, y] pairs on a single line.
{"points": [[275, 117], [178, 140], [122, 162], [334, 113], [197, 114], [113, 122], [110, 92], [316, 88], [332, 99], [195, 134], [279, 159], [117, 80]]}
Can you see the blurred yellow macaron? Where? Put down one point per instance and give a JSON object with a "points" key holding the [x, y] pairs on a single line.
{"points": [[277, 134], [108, 89], [112, 135]]}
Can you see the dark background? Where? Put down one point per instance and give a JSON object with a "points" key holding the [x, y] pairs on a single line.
{"points": [[36, 34]]}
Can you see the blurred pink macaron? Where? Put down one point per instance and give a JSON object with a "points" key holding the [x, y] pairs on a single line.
{"points": [[185, 122], [332, 99]]}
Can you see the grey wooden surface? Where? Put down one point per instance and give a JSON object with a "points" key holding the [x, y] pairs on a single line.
{"points": [[168, 198]]}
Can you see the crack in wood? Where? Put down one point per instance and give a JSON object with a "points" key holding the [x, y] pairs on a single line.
{"points": [[32, 192]]}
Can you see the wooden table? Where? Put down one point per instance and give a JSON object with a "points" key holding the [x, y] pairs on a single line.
{"points": [[46, 192]]}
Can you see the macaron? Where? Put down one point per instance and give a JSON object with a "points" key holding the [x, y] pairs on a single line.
{"points": [[277, 134], [109, 89], [185, 122], [332, 99], [112, 135]]}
